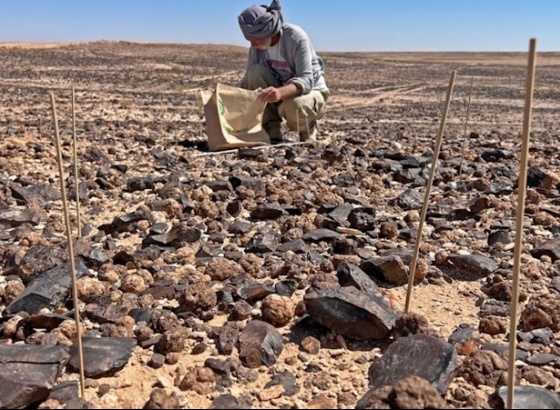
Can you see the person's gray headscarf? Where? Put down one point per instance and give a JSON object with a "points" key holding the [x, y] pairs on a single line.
{"points": [[258, 22]]}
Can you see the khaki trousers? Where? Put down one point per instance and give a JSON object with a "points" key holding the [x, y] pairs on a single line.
{"points": [[300, 113]]}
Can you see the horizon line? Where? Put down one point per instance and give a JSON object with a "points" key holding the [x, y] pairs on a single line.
{"points": [[148, 42]]}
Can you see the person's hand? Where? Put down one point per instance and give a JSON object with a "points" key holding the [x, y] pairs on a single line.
{"points": [[270, 95]]}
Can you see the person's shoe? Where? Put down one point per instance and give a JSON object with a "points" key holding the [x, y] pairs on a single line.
{"points": [[305, 136]]}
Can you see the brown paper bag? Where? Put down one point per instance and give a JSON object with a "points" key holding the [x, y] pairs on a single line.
{"points": [[233, 118]]}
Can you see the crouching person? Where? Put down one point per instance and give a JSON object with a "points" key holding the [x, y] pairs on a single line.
{"points": [[284, 65]]}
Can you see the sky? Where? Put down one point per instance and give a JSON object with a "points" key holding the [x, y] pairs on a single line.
{"points": [[332, 25]]}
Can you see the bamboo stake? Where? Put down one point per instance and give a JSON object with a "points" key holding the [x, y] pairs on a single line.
{"points": [[70, 248], [519, 222], [76, 164], [412, 269], [465, 131]]}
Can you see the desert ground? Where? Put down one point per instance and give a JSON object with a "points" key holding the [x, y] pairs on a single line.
{"points": [[275, 278]]}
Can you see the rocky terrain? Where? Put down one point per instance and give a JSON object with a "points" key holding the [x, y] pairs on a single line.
{"points": [[275, 278]]}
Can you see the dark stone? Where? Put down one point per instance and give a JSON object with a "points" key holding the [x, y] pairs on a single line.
{"points": [[95, 256], [122, 168], [242, 310], [296, 246], [345, 246], [39, 259], [219, 185], [260, 343], [332, 155], [240, 227], [234, 208], [493, 307], [549, 248], [422, 177], [217, 237], [222, 371], [470, 266], [387, 165], [220, 196], [500, 186], [103, 356], [199, 348], [156, 361], [28, 373], [177, 237], [479, 204], [268, 211], [254, 291], [125, 223], [287, 380], [555, 283], [140, 314], [256, 184], [340, 213], [245, 375], [530, 397], [50, 289], [344, 179], [152, 341], [65, 392], [227, 339], [498, 237], [321, 235], [351, 275], [161, 292], [535, 177], [350, 312], [163, 159], [103, 310], [362, 219], [417, 355], [463, 215], [540, 359], [47, 321], [406, 175], [390, 269], [462, 334], [544, 336], [159, 228], [262, 243], [313, 368], [286, 287], [328, 223], [503, 350], [33, 193], [228, 401], [409, 200], [15, 218], [315, 257], [103, 183], [495, 155], [142, 183], [218, 366]]}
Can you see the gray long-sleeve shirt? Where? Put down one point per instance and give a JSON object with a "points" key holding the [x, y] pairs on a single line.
{"points": [[301, 60]]}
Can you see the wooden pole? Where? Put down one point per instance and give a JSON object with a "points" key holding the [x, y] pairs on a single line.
{"points": [[412, 269], [70, 248], [76, 179], [465, 140], [522, 186]]}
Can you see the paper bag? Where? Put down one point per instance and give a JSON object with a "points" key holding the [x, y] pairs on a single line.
{"points": [[233, 118]]}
